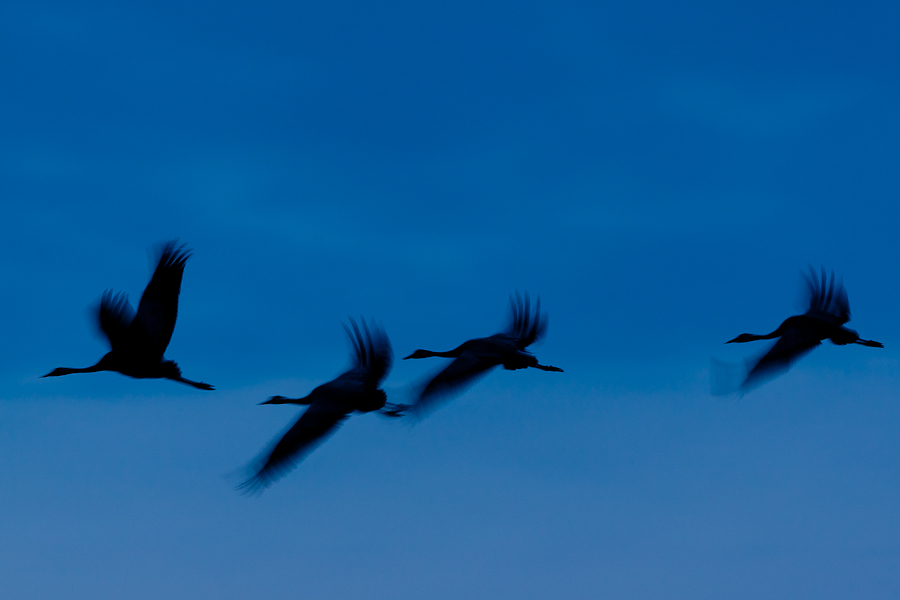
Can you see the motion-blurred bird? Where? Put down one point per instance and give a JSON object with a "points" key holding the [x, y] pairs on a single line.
{"points": [[357, 390], [829, 309], [476, 357], [139, 340]]}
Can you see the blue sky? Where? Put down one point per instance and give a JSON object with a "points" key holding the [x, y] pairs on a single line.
{"points": [[659, 173]]}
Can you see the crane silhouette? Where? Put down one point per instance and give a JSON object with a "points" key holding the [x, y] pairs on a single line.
{"points": [[356, 390], [829, 309], [139, 340], [478, 356]]}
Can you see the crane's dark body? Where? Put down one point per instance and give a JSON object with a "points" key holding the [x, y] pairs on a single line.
{"points": [[139, 340], [476, 357], [829, 310], [330, 404]]}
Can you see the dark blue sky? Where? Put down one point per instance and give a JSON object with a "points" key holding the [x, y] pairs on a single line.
{"points": [[658, 173]]}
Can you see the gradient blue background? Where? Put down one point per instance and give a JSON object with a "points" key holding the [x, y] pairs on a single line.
{"points": [[658, 173]]}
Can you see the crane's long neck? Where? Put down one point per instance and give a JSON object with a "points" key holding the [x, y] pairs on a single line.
{"points": [[69, 370], [448, 354], [429, 353], [753, 337], [283, 400], [768, 336]]}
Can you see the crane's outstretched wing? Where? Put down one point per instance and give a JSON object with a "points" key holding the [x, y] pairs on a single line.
{"points": [[827, 297], [313, 427], [158, 309], [372, 351], [524, 326], [459, 374], [115, 316], [792, 345]]}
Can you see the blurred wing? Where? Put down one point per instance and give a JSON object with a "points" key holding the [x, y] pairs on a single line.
{"points": [[459, 374], [312, 428], [792, 345], [827, 296], [159, 305], [525, 327], [115, 317], [373, 353]]}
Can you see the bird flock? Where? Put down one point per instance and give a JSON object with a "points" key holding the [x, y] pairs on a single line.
{"points": [[138, 341]]}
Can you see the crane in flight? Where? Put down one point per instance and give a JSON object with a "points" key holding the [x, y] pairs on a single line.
{"points": [[829, 310], [139, 340], [330, 404], [476, 357]]}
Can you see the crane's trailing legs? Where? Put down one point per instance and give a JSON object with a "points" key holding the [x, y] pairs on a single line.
{"points": [[870, 343], [197, 384]]}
